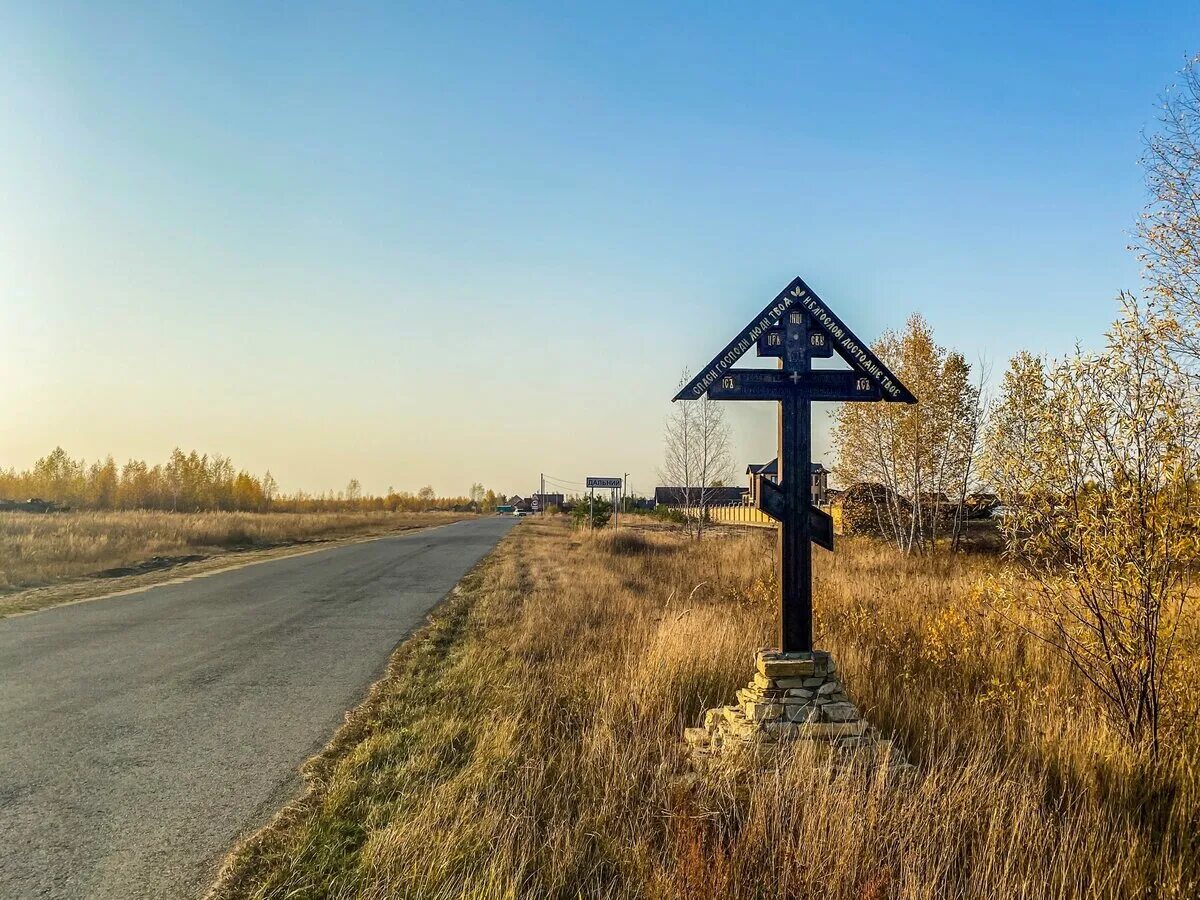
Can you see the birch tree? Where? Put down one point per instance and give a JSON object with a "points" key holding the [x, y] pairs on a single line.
{"points": [[696, 456], [919, 458], [1169, 229]]}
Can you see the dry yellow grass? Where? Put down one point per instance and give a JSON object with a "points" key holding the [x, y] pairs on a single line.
{"points": [[527, 744], [43, 549]]}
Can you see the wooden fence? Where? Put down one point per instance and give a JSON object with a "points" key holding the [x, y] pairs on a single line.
{"points": [[753, 518]]}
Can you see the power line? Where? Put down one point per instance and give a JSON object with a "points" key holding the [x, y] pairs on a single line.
{"points": [[563, 481]]}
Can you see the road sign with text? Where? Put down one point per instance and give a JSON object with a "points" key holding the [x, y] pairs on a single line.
{"points": [[595, 482]]}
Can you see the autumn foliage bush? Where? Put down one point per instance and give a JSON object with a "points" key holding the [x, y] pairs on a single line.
{"points": [[1097, 458]]}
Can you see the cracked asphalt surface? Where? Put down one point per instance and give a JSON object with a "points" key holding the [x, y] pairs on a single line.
{"points": [[142, 735]]}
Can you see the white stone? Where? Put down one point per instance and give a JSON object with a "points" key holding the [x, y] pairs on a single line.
{"points": [[762, 712], [839, 712], [801, 713]]}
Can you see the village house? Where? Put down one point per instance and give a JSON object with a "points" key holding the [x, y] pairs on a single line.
{"points": [[820, 478], [674, 497]]}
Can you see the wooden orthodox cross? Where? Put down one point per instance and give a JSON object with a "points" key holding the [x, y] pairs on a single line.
{"points": [[796, 327]]}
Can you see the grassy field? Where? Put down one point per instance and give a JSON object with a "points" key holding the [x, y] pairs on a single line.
{"points": [[41, 549], [527, 744]]}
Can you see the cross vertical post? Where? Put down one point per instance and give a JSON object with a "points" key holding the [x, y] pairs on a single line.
{"points": [[795, 531], [794, 557]]}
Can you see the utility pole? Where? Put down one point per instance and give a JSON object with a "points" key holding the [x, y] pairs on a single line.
{"points": [[542, 498]]}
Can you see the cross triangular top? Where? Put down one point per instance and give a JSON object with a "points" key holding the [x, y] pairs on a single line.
{"points": [[843, 341]]}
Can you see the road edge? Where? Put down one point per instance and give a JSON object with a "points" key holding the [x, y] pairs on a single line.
{"points": [[444, 624]]}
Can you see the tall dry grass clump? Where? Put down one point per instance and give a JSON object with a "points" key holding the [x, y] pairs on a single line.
{"points": [[37, 549], [528, 744]]}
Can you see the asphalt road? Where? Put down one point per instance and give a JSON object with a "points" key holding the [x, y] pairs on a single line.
{"points": [[142, 735]]}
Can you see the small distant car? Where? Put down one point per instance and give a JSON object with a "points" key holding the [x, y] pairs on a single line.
{"points": [[520, 513]]}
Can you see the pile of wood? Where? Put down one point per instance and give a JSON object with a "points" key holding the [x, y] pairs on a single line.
{"points": [[33, 504], [864, 506], [980, 505]]}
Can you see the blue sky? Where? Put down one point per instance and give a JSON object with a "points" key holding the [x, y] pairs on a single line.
{"points": [[469, 242]]}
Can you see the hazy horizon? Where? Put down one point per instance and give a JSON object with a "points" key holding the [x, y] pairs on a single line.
{"points": [[429, 247]]}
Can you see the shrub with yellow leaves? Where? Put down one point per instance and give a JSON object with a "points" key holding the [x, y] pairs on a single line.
{"points": [[1095, 459]]}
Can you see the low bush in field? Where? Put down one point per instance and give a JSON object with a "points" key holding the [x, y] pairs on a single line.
{"points": [[624, 542], [593, 513], [667, 514]]}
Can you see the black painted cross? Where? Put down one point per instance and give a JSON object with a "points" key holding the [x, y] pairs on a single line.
{"points": [[796, 327]]}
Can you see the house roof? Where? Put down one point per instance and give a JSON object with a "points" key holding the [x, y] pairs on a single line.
{"points": [[772, 468], [717, 496]]}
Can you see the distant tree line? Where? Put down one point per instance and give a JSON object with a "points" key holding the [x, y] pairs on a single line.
{"points": [[195, 482]]}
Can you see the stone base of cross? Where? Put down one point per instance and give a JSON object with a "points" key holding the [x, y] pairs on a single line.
{"points": [[793, 697]]}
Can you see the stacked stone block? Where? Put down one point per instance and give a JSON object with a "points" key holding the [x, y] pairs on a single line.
{"points": [[793, 697]]}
